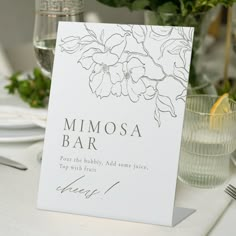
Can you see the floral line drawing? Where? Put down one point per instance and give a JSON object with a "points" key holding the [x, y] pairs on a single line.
{"points": [[118, 68]]}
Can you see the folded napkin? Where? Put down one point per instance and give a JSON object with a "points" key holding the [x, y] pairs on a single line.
{"points": [[14, 110], [16, 114], [19, 215]]}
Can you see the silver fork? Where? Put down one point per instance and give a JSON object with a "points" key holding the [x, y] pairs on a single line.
{"points": [[231, 191]]}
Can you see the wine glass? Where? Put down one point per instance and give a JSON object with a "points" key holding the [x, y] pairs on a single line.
{"points": [[48, 14]]}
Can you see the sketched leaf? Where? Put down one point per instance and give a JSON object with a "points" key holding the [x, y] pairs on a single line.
{"points": [[176, 50], [191, 34], [182, 54], [185, 43], [181, 73], [166, 45], [183, 34], [102, 36], [186, 33], [91, 32], [165, 104], [182, 96], [150, 93], [157, 116], [87, 39], [126, 28], [181, 44], [87, 58], [157, 37], [139, 33], [118, 49], [180, 31], [161, 31]]}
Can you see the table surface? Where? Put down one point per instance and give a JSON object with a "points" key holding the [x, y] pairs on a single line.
{"points": [[20, 216], [21, 204]]}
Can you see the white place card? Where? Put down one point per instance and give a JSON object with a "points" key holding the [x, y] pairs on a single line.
{"points": [[115, 122]]}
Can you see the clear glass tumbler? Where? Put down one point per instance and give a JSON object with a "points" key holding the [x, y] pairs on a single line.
{"points": [[207, 143]]}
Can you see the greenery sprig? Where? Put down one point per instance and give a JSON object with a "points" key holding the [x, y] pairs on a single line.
{"points": [[183, 7], [34, 89]]}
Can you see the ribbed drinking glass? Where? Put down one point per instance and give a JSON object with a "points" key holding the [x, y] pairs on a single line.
{"points": [[208, 141]]}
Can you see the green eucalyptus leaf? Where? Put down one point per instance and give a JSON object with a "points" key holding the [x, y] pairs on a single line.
{"points": [[117, 3], [140, 4], [33, 89], [168, 7], [183, 7]]}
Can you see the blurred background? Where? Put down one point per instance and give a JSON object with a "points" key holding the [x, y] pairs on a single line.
{"points": [[17, 24]]}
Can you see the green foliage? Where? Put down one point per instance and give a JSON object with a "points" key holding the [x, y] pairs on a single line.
{"points": [[227, 86], [139, 4], [168, 7], [183, 7], [34, 89], [183, 13]]}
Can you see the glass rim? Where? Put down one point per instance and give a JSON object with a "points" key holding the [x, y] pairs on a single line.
{"points": [[208, 114], [201, 86]]}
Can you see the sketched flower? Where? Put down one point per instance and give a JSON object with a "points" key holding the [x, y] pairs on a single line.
{"points": [[139, 33], [104, 54], [72, 44], [103, 77], [124, 64], [107, 71], [131, 84]]}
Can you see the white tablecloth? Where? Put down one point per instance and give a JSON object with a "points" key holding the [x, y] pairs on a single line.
{"points": [[19, 216]]}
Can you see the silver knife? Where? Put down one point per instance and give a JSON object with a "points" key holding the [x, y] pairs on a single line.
{"points": [[11, 163]]}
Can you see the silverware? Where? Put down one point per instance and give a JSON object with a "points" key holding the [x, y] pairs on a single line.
{"points": [[11, 163], [231, 191]]}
